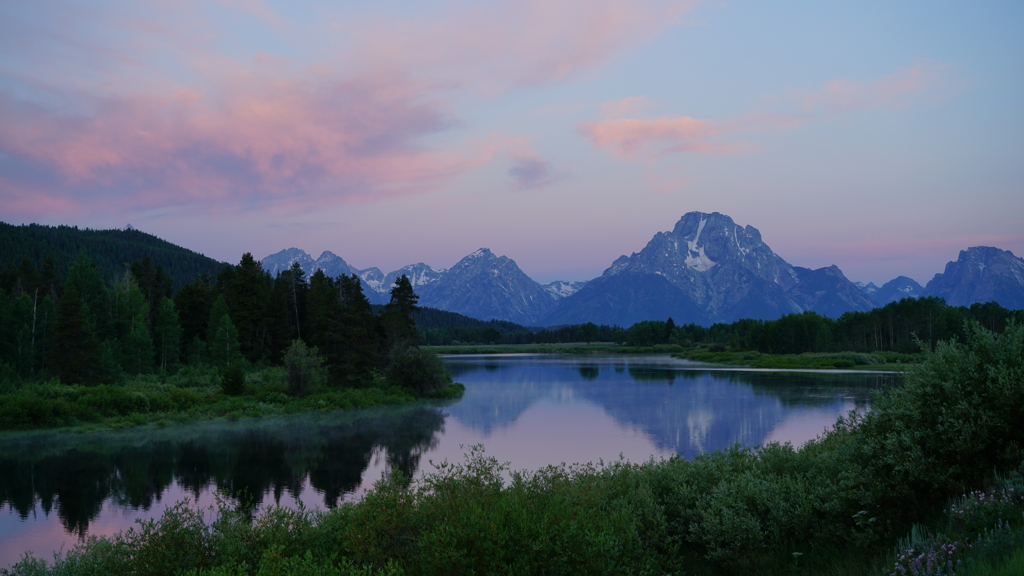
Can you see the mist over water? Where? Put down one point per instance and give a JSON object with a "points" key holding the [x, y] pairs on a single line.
{"points": [[529, 411]]}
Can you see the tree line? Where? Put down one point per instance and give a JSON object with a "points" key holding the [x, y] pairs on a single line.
{"points": [[84, 330], [108, 249], [896, 327]]}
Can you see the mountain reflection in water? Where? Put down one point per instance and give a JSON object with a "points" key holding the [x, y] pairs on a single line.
{"points": [[530, 411], [683, 408]]}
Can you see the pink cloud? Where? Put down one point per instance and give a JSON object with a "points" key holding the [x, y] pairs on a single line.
{"points": [[840, 96], [157, 116], [627, 136], [656, 137], [262, 142], [497, 46], [625, 107]]}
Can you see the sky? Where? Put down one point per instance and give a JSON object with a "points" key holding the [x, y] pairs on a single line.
{"points": [[883, 137]]}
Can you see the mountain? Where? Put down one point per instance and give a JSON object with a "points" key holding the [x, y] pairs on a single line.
{"points": [[828, 292], [488, 287], [621, 299], [332, 264], [108, 249], [563, 289], [481, 285], [895, 290], [283, 260], [868, 289], [380, 284], [981, 274], [707, 269]]}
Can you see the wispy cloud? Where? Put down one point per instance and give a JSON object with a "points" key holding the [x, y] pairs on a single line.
{"points": [[164, 112], [629, 137]]}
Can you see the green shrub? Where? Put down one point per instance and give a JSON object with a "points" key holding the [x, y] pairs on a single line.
{"points": [[112, 400], [304, 366], [232, 379], [184, 398], [955, 419], [418, 370], [24, 412]]}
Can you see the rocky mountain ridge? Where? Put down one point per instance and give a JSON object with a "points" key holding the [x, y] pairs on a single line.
{"points": [[706, 269], [981, 274]]}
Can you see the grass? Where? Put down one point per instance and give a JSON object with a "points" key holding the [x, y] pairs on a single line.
{"points": [[888, 362], [883, 361], [191, 395], [555, 348]]}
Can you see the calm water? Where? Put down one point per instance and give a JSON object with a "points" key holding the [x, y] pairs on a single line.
{"points": [[530, 411]]}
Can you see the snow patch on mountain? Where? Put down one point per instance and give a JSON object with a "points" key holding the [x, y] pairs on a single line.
{"points": [[563, 289], [695, 257]]}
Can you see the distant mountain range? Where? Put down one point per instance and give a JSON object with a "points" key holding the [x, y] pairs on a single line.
{"points": [[480, 285], [707, 269]]}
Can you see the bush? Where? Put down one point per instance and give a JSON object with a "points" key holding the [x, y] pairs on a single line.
{"points": [[304, 366], [955, 418], [418, 370], [112, 400], [232, 380]]}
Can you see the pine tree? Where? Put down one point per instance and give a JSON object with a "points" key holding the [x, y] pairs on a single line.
{"points": [[323, 311], [359, 336], [398, 315], [248, 298], [130, 319], [297, 290], [92, 290], [73, 349], [193, 303], [222, 336], [168, 334]]}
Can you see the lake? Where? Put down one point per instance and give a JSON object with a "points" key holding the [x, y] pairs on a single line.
{"points": [[527, 410]]}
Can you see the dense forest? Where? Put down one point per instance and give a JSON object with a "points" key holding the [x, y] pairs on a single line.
{"points": [[84, 330], [110, 250], [896, 327]]}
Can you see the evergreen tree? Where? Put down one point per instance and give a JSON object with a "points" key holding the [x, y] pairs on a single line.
{"points": [[49, 284], [248, 298], [588, 332], [222, 336], [297, 290], [92, 290], [130, 319], [398, 315], [358, 332], [73, 349], [323, 310], [217, 311], [168, 334], [26, 279], [193, 304]]}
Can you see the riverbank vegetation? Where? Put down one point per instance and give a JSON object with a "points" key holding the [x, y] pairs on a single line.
{"points": [[933, 473], [82, 351]]}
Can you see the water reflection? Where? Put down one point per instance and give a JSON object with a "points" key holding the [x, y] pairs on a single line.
{"points": [[73, 477], [530, 411], [683, 409]]}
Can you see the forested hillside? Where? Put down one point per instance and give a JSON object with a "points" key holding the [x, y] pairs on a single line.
{"points": [[896, 327], [109, 250]]}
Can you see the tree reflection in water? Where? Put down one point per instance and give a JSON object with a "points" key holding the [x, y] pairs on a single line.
{"points": [[75, 474]]}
